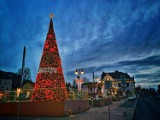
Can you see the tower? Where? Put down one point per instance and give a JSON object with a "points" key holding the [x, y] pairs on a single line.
{"points": [[50, 83]]}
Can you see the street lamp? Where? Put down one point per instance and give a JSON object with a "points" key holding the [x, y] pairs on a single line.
{"points": [[79, 71], [79, 81], [109, 93]]}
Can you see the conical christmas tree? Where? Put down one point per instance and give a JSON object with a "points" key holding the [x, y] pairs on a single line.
{"points": [[50, 83]]}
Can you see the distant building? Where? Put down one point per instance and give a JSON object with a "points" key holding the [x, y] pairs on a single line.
{"points": [[90, 88], [9, 81], [118, 81], [27, 88], [5, 84]]}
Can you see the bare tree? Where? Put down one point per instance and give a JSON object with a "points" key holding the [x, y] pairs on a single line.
{"points": [[26, 73], [85, 79]]}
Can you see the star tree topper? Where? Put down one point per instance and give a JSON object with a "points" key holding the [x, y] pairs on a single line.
{"points": [[51, 15]]}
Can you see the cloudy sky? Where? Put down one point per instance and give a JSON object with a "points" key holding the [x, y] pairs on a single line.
{"points": [[96, 35]]}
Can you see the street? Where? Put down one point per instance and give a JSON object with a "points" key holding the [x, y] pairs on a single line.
{"points": [[148, 108]]}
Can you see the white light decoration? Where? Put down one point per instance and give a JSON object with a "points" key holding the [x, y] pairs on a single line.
{"points": [[79, 83], [18, 91], [28, 94], [49, 69]]}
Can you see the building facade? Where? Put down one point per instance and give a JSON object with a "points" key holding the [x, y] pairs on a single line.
{"points": [[9, 80], [118, 83], [5, 84]]}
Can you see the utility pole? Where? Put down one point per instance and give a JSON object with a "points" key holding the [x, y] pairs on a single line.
{"points": [[23, 66], [93, 82], [93, 76]]}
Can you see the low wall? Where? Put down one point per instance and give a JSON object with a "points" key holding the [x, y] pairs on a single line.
{"points": [[101, 102], [46, 108], [76, 106]]}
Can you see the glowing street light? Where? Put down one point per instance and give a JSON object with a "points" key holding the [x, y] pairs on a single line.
{"points": [[79, 71], [98, 80], [18, 92], [79, 81]]}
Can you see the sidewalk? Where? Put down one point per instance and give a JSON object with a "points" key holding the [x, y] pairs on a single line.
{"points": [[117, 110], [101, 113]]}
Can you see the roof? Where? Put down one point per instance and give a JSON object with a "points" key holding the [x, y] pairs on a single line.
{"points": [[117, 75]]}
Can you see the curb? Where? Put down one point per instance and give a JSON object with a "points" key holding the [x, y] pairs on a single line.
{"points": [[134, 109]]}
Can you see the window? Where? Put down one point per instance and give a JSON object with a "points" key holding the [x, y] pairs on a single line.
{"points": [[1, 89], [2, 82], [119, 84], [127, 84]]}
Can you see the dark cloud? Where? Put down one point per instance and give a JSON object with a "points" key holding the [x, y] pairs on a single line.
{"points": [[144, 70], [152, 60]]}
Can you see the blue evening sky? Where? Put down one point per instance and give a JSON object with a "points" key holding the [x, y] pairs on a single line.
{"points": [[96, 35]]}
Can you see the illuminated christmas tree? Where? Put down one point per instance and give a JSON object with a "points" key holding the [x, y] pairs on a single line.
{"points": [[50, 83]]}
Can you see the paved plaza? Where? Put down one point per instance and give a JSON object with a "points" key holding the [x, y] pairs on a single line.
{"points": [[121, 110]]}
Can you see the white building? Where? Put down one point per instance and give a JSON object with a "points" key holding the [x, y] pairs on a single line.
{"points": [[118, 81]]}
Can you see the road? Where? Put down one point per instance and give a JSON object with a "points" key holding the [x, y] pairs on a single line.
{"points": [[148, 108]]}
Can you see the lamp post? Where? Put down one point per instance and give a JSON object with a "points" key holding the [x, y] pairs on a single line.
{"points": [[109, 93], [79, 81], [93, 83]]}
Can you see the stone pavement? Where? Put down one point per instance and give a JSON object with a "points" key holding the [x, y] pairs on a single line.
{"points": [[121, 110], [101, 113]]}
